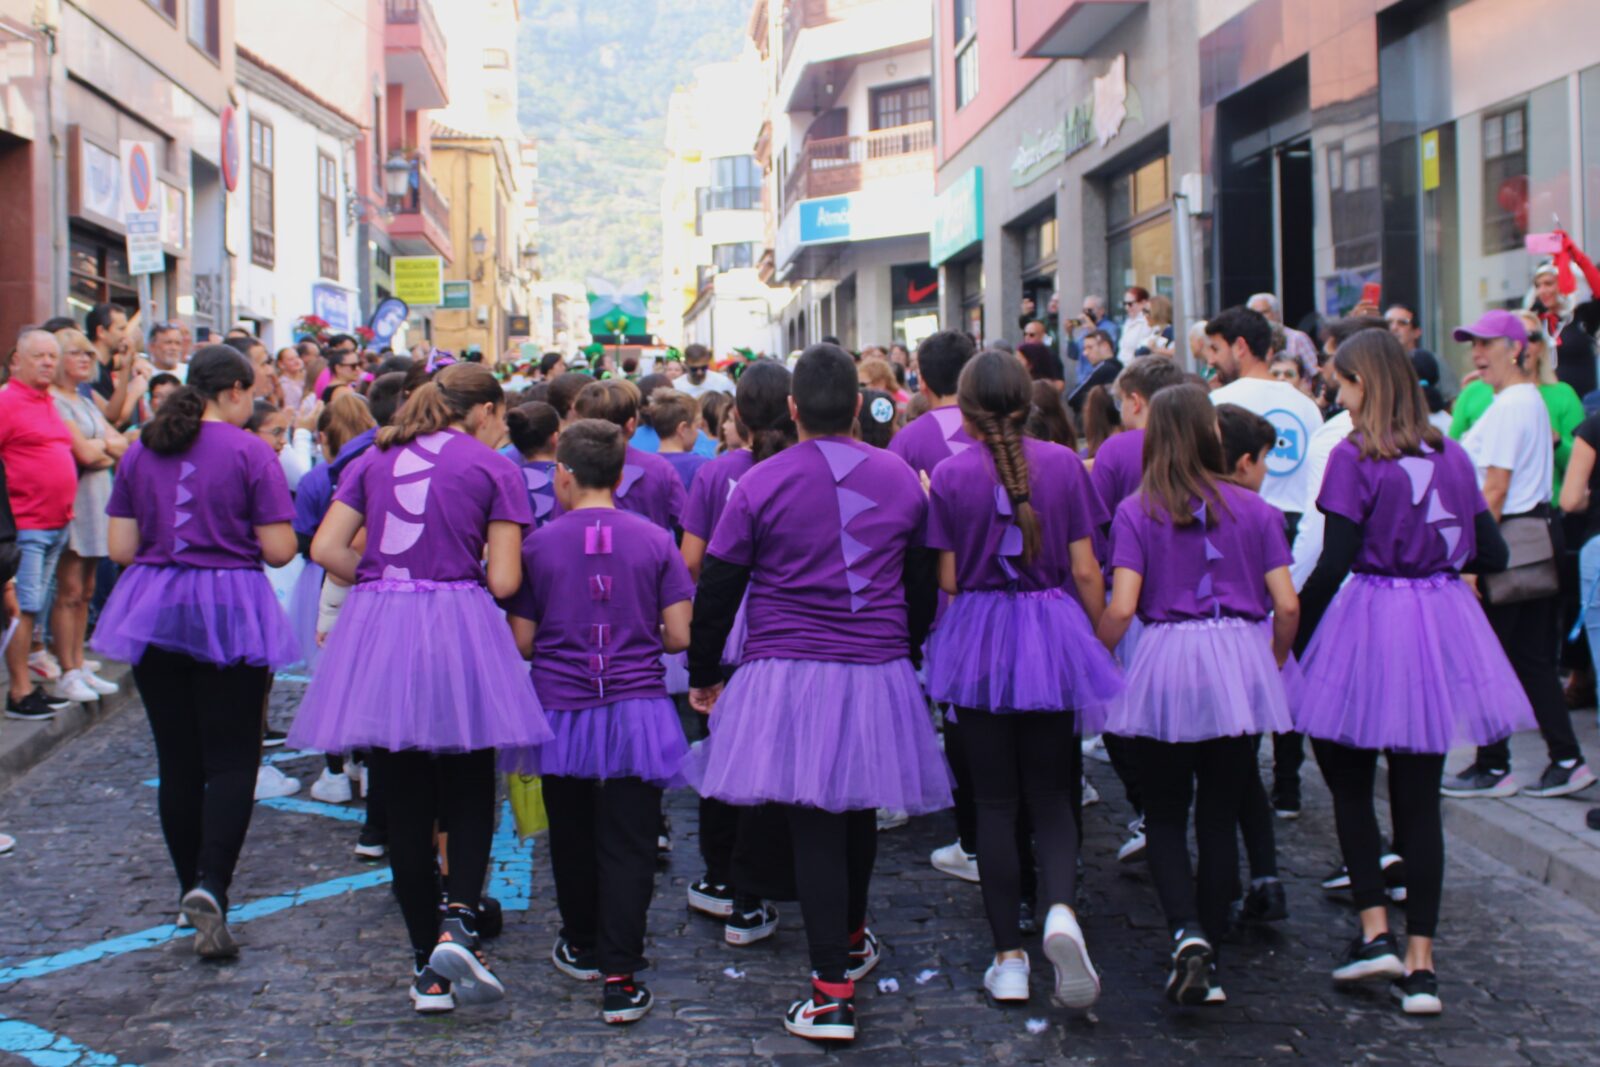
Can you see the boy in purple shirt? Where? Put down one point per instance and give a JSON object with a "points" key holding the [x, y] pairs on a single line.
{"points": [[673, 415], [604, 592], [649, 485], [931, 438]]}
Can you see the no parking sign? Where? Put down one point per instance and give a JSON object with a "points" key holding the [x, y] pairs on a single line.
{"points": [[141, 212]]}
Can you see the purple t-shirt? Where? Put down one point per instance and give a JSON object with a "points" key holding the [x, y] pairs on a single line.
{"points": [[713, 485], [824, 527], [539, 476], [930, 439], [651, 487], [1192, 572], [200, 507], [1416, 513], [686, 464], [1119, 467], [971, 515], [428, 505], [596, 581]]}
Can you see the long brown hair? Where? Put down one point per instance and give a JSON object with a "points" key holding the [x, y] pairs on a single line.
{"points": [[995, 394], [343, 420], [442, 402], [1393, 420], [1182, 456]]}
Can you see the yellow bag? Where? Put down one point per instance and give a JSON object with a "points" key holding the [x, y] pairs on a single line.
{"points": [[527, 804]]}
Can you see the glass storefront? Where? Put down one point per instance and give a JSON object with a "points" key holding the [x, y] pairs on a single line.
{"points": [[1139, 229]]}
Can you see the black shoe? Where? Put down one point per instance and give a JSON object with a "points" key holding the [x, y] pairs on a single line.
{"points": [[34, 707], [626, 1001], [1593, 818], [1417, 993], [1378, 958], [1394, 876], [1192, 960], [711, 898], [207, 912], [1027, 921], [574, 962], [1286, 800], [1477, 780], [1265, 903], [372, 844], [457, 958], [430, 994], [273, 739], [824, 1015], [59, 703], [491, 920], [746, 926], [1337, 881], [1560, 780], [664, 841]]}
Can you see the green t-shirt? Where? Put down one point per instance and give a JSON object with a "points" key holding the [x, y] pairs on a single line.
{"points": [[1560, 399]]}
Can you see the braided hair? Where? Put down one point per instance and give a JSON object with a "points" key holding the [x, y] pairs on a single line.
{"points": [[995, 395]]}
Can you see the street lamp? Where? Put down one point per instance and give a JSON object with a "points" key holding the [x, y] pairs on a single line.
{"points": [[480, 243], [528, 256], [397, 176]]}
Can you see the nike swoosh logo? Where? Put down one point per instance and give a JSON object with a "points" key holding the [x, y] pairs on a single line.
{"points": [[917, 296], [808, 1014]]}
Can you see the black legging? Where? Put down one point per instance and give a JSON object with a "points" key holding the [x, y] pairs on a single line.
{"points": [[1213, 775], [1255, 821], [833, 857], [207, 726], [1015, 757], [1530, 633], [966, 809], [456, 791], [1414, 810]]}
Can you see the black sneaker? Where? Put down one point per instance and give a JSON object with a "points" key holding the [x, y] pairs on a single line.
{"points": [[865, 952], [430, 994], [1593, 818], [828, 1014], [664, 840], [1562, 779], [1192, 961], [457, 958], [35, 707], [1265, 903], [491, 919], [1477, 780], [1027, 919], [1286, 800], [273, 739], [1417, 993], [746, 926], [626, 1001], [1378, 958], [711, 898], [208, 914], [372, 844], [574, 962]]}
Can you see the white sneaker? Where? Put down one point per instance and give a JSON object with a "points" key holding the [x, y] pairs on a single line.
{"points": [[892, 819], [1007, 980], [93, 666], [73, 687], [272, 783], [44, 666], [1095, 748], [331, 788], [1132, 849], [7, 843], [1091, 795], [955, 861], [357, 773], [95, 682], [1077, 983]]}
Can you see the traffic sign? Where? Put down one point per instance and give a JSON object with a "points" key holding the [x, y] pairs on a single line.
{"points": [[230, 148], [141, 208]]}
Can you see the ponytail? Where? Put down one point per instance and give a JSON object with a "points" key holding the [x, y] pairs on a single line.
{"points": [[761, 407], [214, 370], [996, 394], [442, 402]]}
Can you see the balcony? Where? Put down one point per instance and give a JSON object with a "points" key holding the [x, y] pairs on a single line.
{"points": [[1066, 29], [420, 223], [831, 166], [822, 39], [414, 53]]}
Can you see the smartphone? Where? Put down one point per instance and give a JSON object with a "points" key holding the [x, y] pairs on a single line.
{"points": [[1542, 244], [1371, 293]]}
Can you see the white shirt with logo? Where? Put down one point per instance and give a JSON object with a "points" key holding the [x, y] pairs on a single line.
{"points": [[1296, 417]]}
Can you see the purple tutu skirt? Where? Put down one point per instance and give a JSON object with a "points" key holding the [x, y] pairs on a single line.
{"points": [[303, 601], [836, 736], [420, 665], [215, 615], [1409, 665], [676, 666], [1197, 680], [1009, 652], [638, 738]]}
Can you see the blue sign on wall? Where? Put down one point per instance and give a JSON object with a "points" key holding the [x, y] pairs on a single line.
{"points": [[825, 220], [332, 304]]}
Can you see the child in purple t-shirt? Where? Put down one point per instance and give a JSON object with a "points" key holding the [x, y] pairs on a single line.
{"points": [[1013, 520], [650, 486], [421, 667], [533, 428], [1202, 562], [603, 592], [675, 417], [198, 507]]}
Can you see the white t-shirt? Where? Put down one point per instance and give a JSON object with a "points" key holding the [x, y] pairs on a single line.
{"points": [[1309, 535], [1296, 417], [1514, 435], [715, 382]]}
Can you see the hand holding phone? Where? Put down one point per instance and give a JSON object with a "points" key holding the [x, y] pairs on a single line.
{"points": [[1371, 293]]}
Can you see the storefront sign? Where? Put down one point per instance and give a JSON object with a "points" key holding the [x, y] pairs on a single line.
{"points": [[457, 295], [1430, 161], [825, 220], [334, 305], [957, 217], [419, 280], [1097, 117]]}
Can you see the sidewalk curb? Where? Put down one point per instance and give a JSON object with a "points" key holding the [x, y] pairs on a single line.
{"points": [[24, 745]]}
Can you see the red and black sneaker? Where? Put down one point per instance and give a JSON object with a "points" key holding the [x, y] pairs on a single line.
{"points": [[865, 952], [626, 1001], [828, 1014]]}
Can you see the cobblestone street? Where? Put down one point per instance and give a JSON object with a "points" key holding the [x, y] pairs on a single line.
{"points": [[91, 974]]}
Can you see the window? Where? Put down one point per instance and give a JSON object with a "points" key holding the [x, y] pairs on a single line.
{"points": [[98, 272], [1136, 192], [327, 215], [496, 59], [168, 8], [263, 247], [1039, 243], [205, 26], [732, 257], [901, 105], [1139, 229], [1505, 179], [735, 184], [966, 31]]}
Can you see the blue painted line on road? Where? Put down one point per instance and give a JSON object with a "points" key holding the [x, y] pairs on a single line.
{"points": [[314, 807], [510, 865], [159, 935], [45, 1049]]}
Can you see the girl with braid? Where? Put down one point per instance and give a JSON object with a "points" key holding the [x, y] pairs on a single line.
{"points": [[1016, 657]]}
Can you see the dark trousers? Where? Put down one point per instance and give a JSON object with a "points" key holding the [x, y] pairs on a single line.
{"points": [[603, 854], [456, 792], [1255, 821], [1288, 754], [1414, 809], [1122, 764], [1213, 776], [966, 809], [1530, 633], [1015, 758], [833, 857], [207, 726]]}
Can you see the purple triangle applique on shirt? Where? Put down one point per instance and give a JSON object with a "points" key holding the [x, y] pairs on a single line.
{"points": [[179, 545], [409, 462], [1452, 538], [1420, 471], [434, 442], [631, 473], [1011, 541], [391, 573], [398, 534], [842, 458], [853, 549], [183, 496], [1203, 591], [1200, 513], [1437, 512], [542, 506], [535, 479], [1009, 570], [1212, 551], [855, 581], [185, 469], [413, 496], [1002, 501], [179, 518], [857, 603], [851, 504]]}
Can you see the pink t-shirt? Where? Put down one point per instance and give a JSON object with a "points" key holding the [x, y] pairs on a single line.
{"points": [[36, 447]]}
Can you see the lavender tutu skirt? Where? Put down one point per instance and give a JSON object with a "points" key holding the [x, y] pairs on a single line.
{"points": [[638, 738], [1409, 665], [1010, 652], [420, 665], [1201, 679], [836, 736], [303, 601], [215, 615]]}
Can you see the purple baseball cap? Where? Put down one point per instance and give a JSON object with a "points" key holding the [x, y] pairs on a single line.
{"points": [[1492, 324]]}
